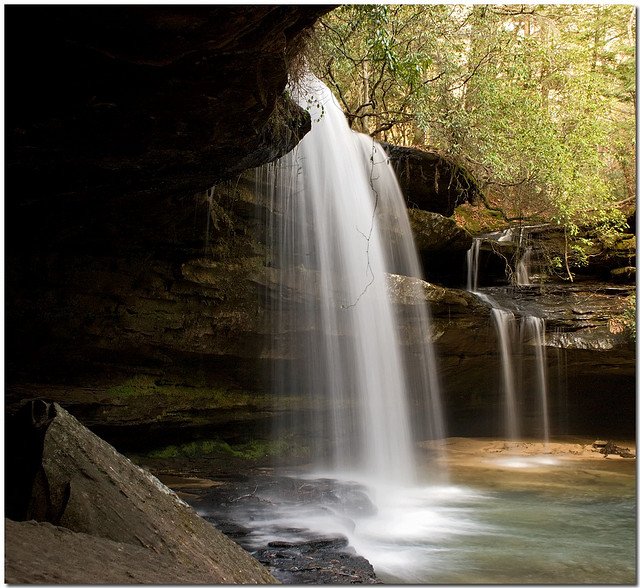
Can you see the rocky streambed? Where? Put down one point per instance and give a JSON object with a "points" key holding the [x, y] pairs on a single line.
{"points": [[79, 512], [252, 504]]}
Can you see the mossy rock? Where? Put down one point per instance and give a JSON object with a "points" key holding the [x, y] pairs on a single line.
{"points": [[171, 395], [478, 220]]}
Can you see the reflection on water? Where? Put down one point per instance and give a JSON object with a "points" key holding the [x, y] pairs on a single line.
{"points": [[525, 462], [503, 519], [504, 537]]}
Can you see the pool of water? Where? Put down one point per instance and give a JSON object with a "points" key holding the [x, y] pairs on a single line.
{"points": [[498, 518], [489, 537]]}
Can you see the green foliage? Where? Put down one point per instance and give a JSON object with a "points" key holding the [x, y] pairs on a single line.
{"points": [[477, 220], [138, 385], [197, 393], [579, 251], [536, 100], [250, 450]]}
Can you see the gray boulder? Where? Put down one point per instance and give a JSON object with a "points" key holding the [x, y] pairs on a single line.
{"points": [[105, 507]]}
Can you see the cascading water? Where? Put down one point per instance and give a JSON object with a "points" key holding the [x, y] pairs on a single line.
{"points": [[473, 257], [534, 328], [505, 324], [337, 316], [522, 268], [531, 330]]}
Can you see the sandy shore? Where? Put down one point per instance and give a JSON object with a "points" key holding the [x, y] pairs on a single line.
{"points": [[522, 465], [573, 448]]}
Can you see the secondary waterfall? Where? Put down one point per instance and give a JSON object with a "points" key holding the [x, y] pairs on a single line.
{"points": [[330, 198], [473, 257], [533, 328], [505, 324], [514, 338], [522, 268]]}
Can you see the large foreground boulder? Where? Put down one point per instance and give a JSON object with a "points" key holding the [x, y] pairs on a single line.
{"points": [[42, 553], [114, 522]]}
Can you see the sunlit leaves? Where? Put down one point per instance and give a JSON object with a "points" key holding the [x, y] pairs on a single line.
{"points": [[538, 101]]}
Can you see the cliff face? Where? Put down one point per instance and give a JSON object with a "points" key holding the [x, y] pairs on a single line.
{"points": [[117, 119], [136, 296], [113, 99], [430, 181]]}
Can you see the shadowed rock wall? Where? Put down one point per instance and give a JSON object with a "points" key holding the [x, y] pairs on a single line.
{"points": [[135, 297], [430, 181], [118, 118]]}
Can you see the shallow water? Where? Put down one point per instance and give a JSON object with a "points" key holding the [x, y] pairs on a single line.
{"points": [[505, 518], [491, 537]]}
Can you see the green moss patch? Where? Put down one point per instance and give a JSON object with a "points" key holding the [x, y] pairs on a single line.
{"points": [[197, 395], [478, 220], [254, 449]]}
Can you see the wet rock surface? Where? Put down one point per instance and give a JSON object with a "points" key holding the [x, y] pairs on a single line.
{"points": [[320, 561], [581, 315], [254, 509]]}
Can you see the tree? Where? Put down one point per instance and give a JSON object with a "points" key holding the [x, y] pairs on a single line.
{"points": [[537, 101]]}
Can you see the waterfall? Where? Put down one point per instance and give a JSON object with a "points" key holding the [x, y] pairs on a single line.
{"points": [[522, 268], [531, 330], [473, 255], [505, 323], [535, 327], [330, 196]]}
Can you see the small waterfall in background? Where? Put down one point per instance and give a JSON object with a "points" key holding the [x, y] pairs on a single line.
{"points": [[514, 337], [523, 268], [473, 258], [505, 323], [534, 328], [333, 308]]}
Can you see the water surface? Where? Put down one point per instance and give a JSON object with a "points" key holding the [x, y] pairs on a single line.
{"points": [[511, 513]]}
